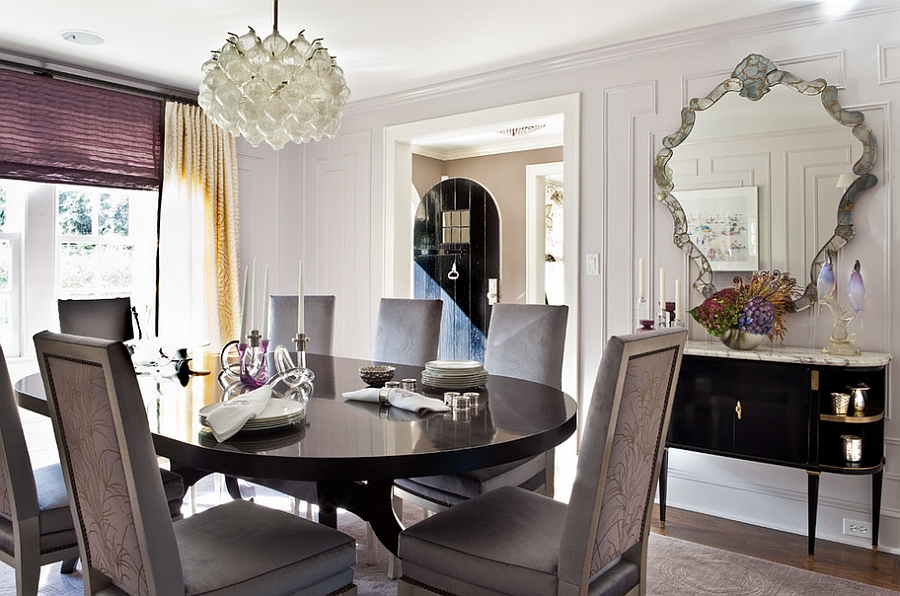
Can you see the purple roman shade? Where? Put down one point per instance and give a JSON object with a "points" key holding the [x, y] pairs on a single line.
{"points": [[60, 131]]}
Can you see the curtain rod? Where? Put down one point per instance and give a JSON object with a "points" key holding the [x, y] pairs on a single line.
{"points": [[63, 75]]}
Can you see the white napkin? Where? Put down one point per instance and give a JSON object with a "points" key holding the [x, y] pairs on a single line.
{"points": [[400, 398], [231, 416]]}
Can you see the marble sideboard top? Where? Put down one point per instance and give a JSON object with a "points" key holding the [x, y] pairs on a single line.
{"points": [[769, 352]]}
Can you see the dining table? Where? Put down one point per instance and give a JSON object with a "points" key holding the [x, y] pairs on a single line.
{"points": [[352, 450]]}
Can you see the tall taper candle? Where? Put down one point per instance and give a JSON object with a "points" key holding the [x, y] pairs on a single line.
{"points": [[641, 274], [244, 313], [265, 299], [253, 297], [679, 314], [300, 306], [662, 289]]}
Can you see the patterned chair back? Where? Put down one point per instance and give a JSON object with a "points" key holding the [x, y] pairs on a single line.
{"points": [[18, 493], [618, 466], [110, 467]]}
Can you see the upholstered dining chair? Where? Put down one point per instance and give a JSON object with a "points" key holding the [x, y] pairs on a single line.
{"points": [[110, 318], [517, 542], [36, 527], [524, 341], [407, 331], [106, 318], [318, 320], [127, 540]]}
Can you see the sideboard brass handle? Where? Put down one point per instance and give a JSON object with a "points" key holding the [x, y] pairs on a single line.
{"points": [[738, 409]]}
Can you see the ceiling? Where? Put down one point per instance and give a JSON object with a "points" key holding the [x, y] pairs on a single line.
{"points": [[383, 47]]}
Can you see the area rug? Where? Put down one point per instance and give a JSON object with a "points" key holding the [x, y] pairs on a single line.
{"points": [[679, 568], [676, 568]]}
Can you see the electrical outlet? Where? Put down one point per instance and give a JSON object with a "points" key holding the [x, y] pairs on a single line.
{"points": [[856, 528]]}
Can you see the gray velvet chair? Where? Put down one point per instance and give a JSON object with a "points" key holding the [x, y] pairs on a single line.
{"points": [[127, 540], [110, 318], [36, 527], [513, 542], [407, 331], [106, 318], [524, 341], [318, 321]]}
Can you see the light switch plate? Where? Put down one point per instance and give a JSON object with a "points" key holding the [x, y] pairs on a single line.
{"points": [[593, 263]]}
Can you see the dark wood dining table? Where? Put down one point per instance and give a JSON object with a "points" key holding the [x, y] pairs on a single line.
{"points": [[352, 450]]}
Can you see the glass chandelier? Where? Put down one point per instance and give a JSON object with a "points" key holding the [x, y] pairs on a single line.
{"points": [[273, 90]]}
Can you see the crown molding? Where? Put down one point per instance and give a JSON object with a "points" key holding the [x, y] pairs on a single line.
{"points": [[742, 28]]}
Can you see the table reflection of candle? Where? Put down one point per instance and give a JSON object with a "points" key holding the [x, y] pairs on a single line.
{"points": [[244, 313], [641, 278], [265, 299], [662, 288], [679, 314], [300, 305]]}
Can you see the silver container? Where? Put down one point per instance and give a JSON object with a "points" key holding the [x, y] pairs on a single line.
{"points": [[852, 448], [839, 403], [858, 396]]}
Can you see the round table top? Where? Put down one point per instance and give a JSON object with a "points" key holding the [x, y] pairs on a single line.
{"points": [[342, 439]]}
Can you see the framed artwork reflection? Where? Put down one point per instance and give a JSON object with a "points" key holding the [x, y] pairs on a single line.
{"points": [[724, 224]]}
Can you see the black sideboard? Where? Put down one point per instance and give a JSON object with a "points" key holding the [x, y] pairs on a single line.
{"points": [[773, 405]]}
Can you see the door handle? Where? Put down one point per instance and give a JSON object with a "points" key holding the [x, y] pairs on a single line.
{"points": [[738, 409]]}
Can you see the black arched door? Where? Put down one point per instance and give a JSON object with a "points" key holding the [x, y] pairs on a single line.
{"points": [[456, 248]]}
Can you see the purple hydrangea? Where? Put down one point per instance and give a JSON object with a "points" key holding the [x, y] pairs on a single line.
{"points": [[758, 316]]}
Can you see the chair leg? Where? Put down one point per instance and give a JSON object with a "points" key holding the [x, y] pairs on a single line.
{"points": [[395, 568], [68, 566], [28, 578], [371, 546]]}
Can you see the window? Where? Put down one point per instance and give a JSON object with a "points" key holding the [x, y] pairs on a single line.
{"points": [[63, 241], [105, 241]]}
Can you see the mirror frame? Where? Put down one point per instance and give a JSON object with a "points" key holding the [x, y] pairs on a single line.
{"points": [[752, 79]]}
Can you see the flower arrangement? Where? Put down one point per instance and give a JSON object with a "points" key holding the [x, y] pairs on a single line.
{"points": [[756, 306]]}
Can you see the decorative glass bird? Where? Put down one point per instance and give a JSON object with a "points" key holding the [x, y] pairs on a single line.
{"points": [[826, 284], [856, 291]]}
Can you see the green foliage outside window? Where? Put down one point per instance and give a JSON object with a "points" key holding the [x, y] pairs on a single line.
{"points": [[74, 213]]}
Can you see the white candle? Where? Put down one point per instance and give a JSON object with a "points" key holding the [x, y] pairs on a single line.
{"points": [[662, 289], [679, 314], [641, 278], [265, 299], [300, 314], [253, 297], [244, 312]]}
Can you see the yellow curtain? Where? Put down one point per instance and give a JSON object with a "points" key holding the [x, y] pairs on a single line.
{"points": [[199, 297]]}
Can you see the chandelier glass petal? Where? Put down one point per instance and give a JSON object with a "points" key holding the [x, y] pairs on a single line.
{"points": [[274, 90]]}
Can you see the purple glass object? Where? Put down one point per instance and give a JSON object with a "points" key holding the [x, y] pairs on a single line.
{"points": [[646, 325], [253, 363]]}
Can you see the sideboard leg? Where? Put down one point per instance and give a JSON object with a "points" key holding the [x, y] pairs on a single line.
{"points": [[877, 479], [812, 504], [663, 477]]}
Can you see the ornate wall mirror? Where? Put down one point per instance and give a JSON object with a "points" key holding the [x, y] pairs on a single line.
{"points": [[796, 150]]}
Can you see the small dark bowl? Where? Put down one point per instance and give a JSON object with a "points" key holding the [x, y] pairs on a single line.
{"points": [[376, 376]]}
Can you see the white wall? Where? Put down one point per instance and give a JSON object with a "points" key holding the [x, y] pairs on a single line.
{"points": [[325, 202]]}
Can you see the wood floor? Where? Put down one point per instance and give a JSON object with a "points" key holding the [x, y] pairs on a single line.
{"points": [[840, 560]]}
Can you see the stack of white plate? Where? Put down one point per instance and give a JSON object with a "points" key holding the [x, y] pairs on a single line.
{"points": [[278, 413], [454, 374]]}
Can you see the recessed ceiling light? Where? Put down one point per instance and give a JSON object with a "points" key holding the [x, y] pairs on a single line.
{"points": [[85, 38]]}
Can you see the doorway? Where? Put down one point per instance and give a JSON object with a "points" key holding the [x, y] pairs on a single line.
{"points": [[401, 203]]}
